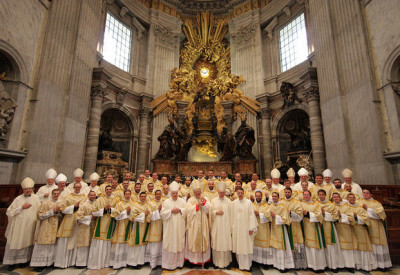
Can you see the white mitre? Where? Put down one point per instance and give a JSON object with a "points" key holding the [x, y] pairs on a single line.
{"points": [[327, 173], [94, 176], [61, 177], [302, 172], [196, 185], [51, 174], [78, 173], [291, 173], [174, 186], [347, 173], [27, 183], [275, 174], [221, 186]]}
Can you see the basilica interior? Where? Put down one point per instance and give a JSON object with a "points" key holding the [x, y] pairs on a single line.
{"points": [[242, 86]]}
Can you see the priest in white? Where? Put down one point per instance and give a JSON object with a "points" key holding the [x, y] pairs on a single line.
{"points": [[78, 174], [94, 179], [65, 254], [220, 215], [197, 249], [22, 218], [303, 174], [327, 174], [244, 228], [276, 175], [173, 214], [46, 233], [348, 178], [44, 192]]}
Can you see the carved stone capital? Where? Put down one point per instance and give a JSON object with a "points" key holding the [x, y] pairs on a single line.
{"points": [[144, 113], [265, 113], [312, 94], [98, 91], [165, 36], [245, 36]]}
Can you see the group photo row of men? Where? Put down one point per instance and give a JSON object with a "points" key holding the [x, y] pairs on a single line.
{"points": [[205, 221]]}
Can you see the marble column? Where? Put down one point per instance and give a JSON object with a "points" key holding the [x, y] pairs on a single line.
{"points": [[143, 148], [228, 114], [92, 142], [317, 138], [266, 148]]}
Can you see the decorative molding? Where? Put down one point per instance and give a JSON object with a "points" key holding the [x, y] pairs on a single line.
{"points": [[269, 29], [245, 36], [165, 36], [120, 96], [123, 11], [265, 113], [139, 27], [287, 11]]}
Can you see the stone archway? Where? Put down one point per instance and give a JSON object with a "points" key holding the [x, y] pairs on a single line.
{"points": [[117, 143], [292, 140]]}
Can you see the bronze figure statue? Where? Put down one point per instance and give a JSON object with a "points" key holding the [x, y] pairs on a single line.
{"points": [[245, 140], [226, 145]]}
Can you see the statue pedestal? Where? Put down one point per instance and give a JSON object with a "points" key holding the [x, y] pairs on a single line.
{"points": [[164, 166], [190, 168], [245, 166]]}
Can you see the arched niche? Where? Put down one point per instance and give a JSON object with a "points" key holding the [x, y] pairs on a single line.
{"points": [[120, 127], [291, 138]]}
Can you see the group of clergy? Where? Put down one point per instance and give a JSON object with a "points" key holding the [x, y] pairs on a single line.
{"points": [[204, 221]]}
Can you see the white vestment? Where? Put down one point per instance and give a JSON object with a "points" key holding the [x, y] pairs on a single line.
{"points": [[221, 227], [173, 233], [45, 189], [243, 221], [20, 229]]}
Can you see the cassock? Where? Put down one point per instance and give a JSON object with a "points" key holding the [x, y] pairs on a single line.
{"points": [[221, 229], [46, 235], [138, 235], [262, 253], [84, 231], [280, 243], [334, 256], [296, 231], [100, 248], [21, 227], [197, 249], [364, 256], [173, 232], [377, 232], [119, 248], [243, 221], [314, 242], [346, 236], [65, 255], [154, 245]]}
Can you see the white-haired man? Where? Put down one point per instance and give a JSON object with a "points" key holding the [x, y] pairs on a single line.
{"points": [[173, 214], [22, 218], [78, 174], [44, 192]]}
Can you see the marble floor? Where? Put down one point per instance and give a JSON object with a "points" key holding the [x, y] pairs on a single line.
{"points": [[147, 270]]}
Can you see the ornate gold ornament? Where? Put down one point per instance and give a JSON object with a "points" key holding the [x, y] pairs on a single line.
{"points": [[205, 72]]}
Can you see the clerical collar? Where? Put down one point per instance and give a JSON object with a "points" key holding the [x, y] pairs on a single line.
{"points": [[289, 198], [77, 194], [310, 201], [53, 200], [109, 196], [208, 189], [200, 178], [125, 200], [27, 196], [355, 204], [142, 202], [258, 202], [340, 188], [370, 199], [324, 201], [276, 203], [340, 203]]}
